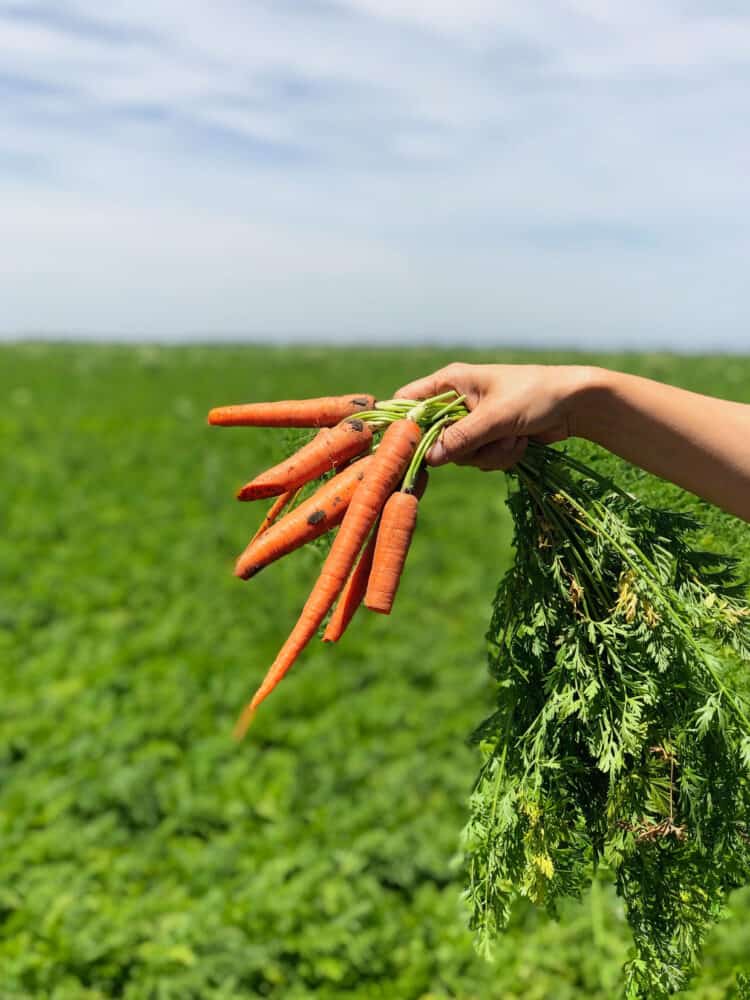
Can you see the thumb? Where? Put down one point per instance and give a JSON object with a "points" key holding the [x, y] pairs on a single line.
{"points": [[462, 438]]}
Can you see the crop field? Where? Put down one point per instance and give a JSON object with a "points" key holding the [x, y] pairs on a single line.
{"points": [[143, 853]]}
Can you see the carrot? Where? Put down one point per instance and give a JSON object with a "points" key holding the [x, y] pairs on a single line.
{"points": [[316, 515], [356, 586], [327, 411], [397, 524], [390, 461], [327, 450], [283, 500], [352, 594], [274, 510]]}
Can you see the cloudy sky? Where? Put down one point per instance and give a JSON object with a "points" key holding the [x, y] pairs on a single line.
{"points": [[572, 172]]}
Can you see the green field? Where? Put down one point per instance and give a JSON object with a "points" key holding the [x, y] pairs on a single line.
{"points": [[145, 855]]}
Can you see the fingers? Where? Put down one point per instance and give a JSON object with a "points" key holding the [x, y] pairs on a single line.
{"points": [[484, 438], [423, 388], [498, 455], [450, 377], [464, 437]]}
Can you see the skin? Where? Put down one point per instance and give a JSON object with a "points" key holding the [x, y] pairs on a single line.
{"points": [[698, 442]]}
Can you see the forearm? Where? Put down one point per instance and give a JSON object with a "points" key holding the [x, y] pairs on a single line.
{"points": [[698, 442]]}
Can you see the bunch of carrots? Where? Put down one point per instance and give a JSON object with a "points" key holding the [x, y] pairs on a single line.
{"points": [[376, 452]]}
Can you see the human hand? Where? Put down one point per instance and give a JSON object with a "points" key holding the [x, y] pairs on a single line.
{"points": [[508, 404]]}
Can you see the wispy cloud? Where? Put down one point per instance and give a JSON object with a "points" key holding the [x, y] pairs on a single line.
{"points": [[556, 171]]}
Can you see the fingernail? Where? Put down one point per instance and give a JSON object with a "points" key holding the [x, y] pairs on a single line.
{"points": [[436, 454], [508, 443]]}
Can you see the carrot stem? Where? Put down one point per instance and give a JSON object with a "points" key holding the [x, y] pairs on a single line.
{"points": [[428, 439]]}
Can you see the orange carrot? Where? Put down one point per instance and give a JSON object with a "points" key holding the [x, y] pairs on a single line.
{"points": [[316, 515], [274, 510], [352, 594], [356, 586], [327, 411], [327, 450], [390, 461], [397, 524]]}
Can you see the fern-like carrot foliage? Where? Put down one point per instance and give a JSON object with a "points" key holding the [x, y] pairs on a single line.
{"points": [[620, 739]]}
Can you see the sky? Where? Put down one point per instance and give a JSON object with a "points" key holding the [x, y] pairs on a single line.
{"points": [[530, 173]]}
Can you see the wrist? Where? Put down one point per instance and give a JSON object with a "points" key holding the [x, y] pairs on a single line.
{"points": [[590, 390]]}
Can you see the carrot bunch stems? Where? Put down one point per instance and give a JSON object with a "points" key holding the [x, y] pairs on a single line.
{"points": [[443, 417]]}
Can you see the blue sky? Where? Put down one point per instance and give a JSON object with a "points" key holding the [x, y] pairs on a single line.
{"points": [[571, 173]]}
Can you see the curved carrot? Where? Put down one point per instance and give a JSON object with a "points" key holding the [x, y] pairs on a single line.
{"points": [[316, 515], [356, 586], [397, 447], [274, 510], [326, 411], [327, 450], [352, 594]]}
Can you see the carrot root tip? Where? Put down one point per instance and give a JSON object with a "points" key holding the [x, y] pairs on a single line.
{"points": [[243, 723]]}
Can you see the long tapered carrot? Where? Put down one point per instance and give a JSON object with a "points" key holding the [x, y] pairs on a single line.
{"points": [[356, 586], [396, 450], [316, 515], [353, 593], [325, 411], [329, 449]]}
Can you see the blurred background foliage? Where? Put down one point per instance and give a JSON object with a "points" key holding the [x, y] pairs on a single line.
{"points": [[143, 854]]}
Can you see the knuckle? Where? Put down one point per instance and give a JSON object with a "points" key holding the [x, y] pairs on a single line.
{"points": [[457, 439], [455, 369]]}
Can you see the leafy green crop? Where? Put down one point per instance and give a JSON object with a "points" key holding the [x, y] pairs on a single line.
{"points": [[619, 739], [143, 854]]}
